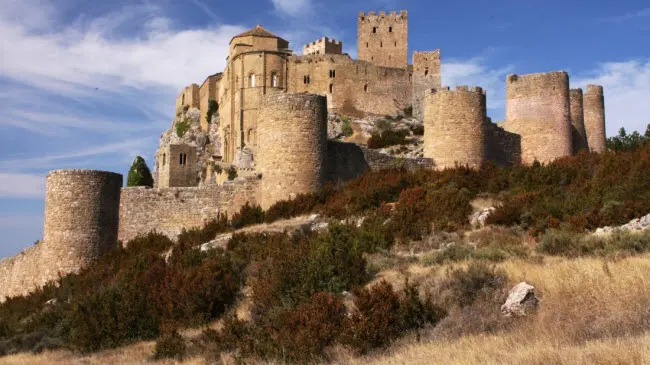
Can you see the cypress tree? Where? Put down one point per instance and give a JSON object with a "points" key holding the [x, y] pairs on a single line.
{"points": [[139, 174]]}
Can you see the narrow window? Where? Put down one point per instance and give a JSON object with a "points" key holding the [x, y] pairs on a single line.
{"points": [[252, 80], [395, 44], [410, 77], [183, 101], [366, 47], [331, 88], [184, 159], [390, 29], [365, 88], [381, 44], [372, 58], [374, 29], [389, 57], [426, 71], [164, 158], [274, 79], [180, 159], [332, 74]]}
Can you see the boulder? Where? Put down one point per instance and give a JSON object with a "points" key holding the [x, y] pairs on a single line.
{"points": [[478, 218], [522, 300]]}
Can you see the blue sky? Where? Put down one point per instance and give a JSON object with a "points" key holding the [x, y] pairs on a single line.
{"points": [[92, 84]]}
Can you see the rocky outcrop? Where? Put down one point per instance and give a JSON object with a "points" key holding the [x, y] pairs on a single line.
{"points": [[478, 218], [636, 224], [522, 300]]}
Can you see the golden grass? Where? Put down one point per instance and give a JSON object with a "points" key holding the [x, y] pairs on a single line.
{"points": [[592, 312]]}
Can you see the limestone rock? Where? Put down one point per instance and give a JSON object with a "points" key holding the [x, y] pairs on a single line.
{"points": [[521, 301], [244, 158], [478, 218]]}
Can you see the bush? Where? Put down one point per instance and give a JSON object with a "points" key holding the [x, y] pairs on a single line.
{"points": [[569, 244], [346, 128], [232, 173], [465, 286], [213, 108], [387, 138], [408, 111], [139, 174], [182, 126], [247, 215], [170, 345]]}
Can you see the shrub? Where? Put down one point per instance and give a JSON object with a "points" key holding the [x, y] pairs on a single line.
{"points": [[408, 111], [232, 173], [182, 126], [387, 138], [247, 215], [464, 286], [346, 128], [170, 345], [139, 174], [213, 108]]}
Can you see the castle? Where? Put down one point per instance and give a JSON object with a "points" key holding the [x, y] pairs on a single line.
{"points": [[266, 116]]}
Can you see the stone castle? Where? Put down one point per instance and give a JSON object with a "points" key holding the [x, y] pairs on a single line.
{"points": [[265, 117]]}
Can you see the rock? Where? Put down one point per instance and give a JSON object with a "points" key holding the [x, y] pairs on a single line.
{"points": [[478, 218], [521, 301], [244, 158]]}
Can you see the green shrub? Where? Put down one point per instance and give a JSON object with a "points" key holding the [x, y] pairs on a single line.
{"points": [[213, 108], [465, 286], [182, 126], [387, 138], [346, 128], [232, 173], [247, 215], [170, 345], [408, 111], [139, 174]]}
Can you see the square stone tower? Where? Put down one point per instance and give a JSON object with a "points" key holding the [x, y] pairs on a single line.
{"points": [[383, 39], [177, 166], [323, 46]]}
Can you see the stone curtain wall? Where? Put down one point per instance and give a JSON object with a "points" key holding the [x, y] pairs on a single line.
{"points": [[426, 76], [357, 87], [594, 114], [537, 108], [323, 46], [383, 39], [346, 161], [292, 145], [189, 96], [81, 224], [169, 210], [501, 147], [578, 134], [454, 127]]}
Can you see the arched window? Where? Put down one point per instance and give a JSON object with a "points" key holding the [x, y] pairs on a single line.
{"points": [[251, 80], [365, 87], [274, 79], [331, 88], [374, 29], [250, 136], [182, 159]]}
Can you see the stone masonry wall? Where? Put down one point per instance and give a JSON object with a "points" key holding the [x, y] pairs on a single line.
{"points": [[190, 96], [169, 210], [20, 274], [594, 114], [383, 38], [426, 76], [323, 46], [292, 145], [353, 87], [537, 108], [501, 147], [454, 127], [578, 134]]}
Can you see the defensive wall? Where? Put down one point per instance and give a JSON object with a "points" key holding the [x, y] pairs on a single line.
{"points": [[323, 46], [594, 118], [454, 131], [352, 86], [426, 76], [169, 210], [81, 224], [190, 97]]}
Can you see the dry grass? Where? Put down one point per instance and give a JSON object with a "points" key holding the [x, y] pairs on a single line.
{"points": [[592, 312]]}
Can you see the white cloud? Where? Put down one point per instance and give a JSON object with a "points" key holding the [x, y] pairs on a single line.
{"points": [[17, 185], [293, 8], [627, 92], [475, 72]]}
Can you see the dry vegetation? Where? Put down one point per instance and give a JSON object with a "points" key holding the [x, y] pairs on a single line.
{"points": [[600, 316]]}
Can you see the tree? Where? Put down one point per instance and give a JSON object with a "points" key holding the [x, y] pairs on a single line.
{"points": [[139, 174], [628, 142]]}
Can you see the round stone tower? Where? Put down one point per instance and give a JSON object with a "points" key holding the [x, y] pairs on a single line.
{"points": [[292, 145], [594, 105], [579, 136], [454, 126], [538, 109], [81, 219]]}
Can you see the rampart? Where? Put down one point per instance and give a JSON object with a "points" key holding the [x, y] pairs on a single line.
{"points": [[383, 38], [578, 134], [323, 46], [537, 108], [352, 87], [292, 145], [426, 76], [190, 97], [594, 114], [169, 210], [454, 126], [503, 148], [81, 224]]}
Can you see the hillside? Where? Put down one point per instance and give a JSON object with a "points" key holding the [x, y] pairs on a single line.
{"points": [[385, 269]]}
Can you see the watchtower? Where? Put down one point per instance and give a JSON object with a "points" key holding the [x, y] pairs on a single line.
{"points": [[594, 109], [177, 166], [383, 39], [578, 134]]}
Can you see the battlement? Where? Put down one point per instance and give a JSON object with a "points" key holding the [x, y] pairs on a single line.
{"points": [[323, 46], [372, 16], [594, 89]]}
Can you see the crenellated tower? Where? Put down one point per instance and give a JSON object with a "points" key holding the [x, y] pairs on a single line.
{"points": [[383, 38]]}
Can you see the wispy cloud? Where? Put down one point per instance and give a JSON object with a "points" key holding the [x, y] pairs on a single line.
{"points": [[637, 14], [627, 91], [17, 185], [206, 9], [293, 8]]}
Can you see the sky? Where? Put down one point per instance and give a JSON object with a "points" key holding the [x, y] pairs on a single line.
{"points": [[92, 84]]}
